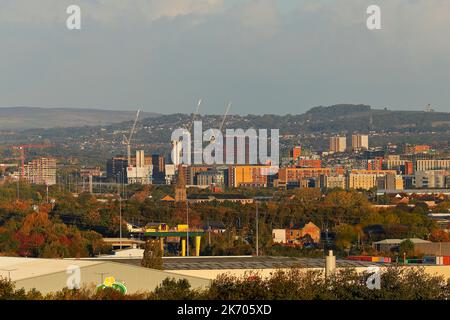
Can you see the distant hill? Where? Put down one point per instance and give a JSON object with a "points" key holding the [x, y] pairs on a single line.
{"points": [[73, 131], [21, 118], [363, 118]]}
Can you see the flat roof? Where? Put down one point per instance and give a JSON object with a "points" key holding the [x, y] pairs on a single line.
{"points": [[23, 268], [397, 241], [239, 262], [415, 191]]}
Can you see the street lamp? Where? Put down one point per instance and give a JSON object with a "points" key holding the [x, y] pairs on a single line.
{"points": [[187, 231], [9, 272], [256, 199], [120, 211]]}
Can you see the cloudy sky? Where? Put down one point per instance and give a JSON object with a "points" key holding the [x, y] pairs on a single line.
{"points": [[266, 56]]}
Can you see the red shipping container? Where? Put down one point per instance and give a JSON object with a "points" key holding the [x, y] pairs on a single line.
{"points": [[446, 260]]}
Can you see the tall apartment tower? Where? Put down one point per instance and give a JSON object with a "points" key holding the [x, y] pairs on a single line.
{"points": [[116, 168], [140, 158], [360, 141], [338, 144], [159, 167], [41, 171]]}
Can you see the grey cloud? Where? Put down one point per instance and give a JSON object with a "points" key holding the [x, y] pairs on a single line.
{"points": [[164, 55]]}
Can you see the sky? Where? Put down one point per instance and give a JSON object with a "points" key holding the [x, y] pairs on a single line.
{"points": [[265, 56]]}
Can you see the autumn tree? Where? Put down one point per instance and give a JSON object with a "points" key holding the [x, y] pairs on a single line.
{"points": [[152, 255], [406, 246]]}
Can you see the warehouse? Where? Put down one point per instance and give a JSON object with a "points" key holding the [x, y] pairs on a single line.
{"points": [[50, 275]]}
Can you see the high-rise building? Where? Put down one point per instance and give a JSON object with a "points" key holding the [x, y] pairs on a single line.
{"points": [[169, 173], [192, 172], [212, 177], [141, 173], [438, 164], [294, 176], [116, 168], [360, 141], [331, 182], [158, 162], [338, 144], [248, 175], [41, 171], [375, 164], [431, 178], [239, 150], [362, 181], [177, 154], [390, 182]]}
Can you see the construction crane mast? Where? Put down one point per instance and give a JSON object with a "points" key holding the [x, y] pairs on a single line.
{"points": [[194, 116], [176, 144], [225, 116], [213, 138], [21, 157], [127, 140]]}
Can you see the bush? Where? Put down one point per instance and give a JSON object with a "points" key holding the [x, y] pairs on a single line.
{"points": [[152, 255], [8, 292], [397, 283], [171, 289]]}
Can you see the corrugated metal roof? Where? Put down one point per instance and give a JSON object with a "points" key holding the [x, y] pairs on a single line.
{"points": [[398, 241]]}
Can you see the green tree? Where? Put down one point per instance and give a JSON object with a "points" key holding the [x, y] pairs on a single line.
{"points": [[152, 255], [171, 289], [406, 246]]}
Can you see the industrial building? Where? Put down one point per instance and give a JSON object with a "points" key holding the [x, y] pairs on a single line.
{"points": [[51, 275], [420, 246]]}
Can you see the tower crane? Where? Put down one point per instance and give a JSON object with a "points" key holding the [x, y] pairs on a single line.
{"points": [[22, 149], [213, 138], [176, 144], [127, 140], [194, 116]]}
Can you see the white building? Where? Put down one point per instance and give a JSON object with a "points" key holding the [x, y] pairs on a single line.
{"points": [[279, 235], [41, 171], [179, 150], [338, 144], [141, 173], [170, 173], [431, 179], [360, 141]]}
